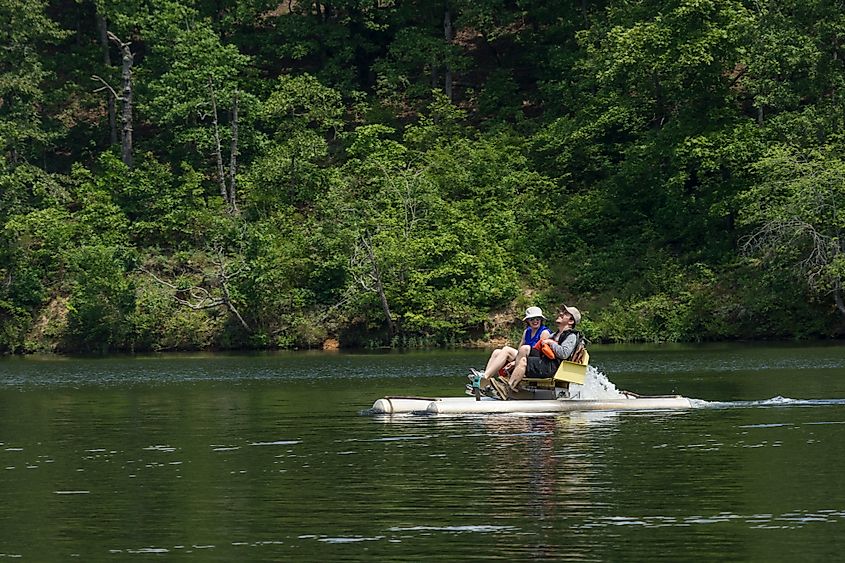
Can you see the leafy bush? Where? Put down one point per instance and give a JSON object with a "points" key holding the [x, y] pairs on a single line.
{"points": [[101, 301]]}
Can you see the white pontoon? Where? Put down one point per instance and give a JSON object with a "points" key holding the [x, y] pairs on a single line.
{"points": [[469, 405], [564, 392]]}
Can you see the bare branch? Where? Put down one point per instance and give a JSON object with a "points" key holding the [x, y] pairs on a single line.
{"points": [[366, 272], [158, 279], [116, 40], [821, 252], [362, 274], [345, 298], [199, 298], [105, 86]]}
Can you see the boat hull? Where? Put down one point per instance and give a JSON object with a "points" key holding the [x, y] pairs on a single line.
{"points": [[468, 405]]}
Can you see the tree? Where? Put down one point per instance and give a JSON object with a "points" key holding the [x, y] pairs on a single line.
{"points": [[796, 216], [26, 28], [125, 96], [656, 138], [103, 33], [101, 299], [201, 75], [418, 55], [300, 116], [424, 253], [793, 70]]}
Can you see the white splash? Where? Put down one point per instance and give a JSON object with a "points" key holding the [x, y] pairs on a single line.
{"points": [[596, 387]]}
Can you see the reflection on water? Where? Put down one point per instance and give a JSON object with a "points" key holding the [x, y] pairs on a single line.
{"points": [[266, 458]]}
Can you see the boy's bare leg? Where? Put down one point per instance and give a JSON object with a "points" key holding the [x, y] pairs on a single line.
{"points": [[518, 372], [521, 358], [523, 352]]}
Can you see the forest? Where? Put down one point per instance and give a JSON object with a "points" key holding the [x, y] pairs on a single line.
{"points": [[256, 174]]}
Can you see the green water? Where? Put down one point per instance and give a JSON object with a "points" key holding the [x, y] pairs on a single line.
{"points": [[267, 458]]}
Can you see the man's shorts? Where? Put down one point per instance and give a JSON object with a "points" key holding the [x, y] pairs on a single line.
{"points": [[540, 367]]}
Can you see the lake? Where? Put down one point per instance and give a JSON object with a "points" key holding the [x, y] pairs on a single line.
{"points": [[268, 457]]}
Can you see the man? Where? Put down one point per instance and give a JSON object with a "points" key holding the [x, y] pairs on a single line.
{"points": [[563, 343]]}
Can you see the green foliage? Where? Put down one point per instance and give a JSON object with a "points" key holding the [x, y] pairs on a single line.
{"points": [[499, 99], [14, 322], [337, 42], [101, 299], [415, 60], [672, 168], [283, 262], [158, 203], [25, 31], [421, 236], [796, 213], [36, 246], [159, 323], [682, 304], [99, 219], [298, 116], [26, 188]]}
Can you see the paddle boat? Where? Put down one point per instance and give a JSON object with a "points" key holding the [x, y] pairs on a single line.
{"points": [[565, 391], [488, 405]]}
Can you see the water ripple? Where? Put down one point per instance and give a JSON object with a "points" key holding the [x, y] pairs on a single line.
{"points": [[789, 520]]}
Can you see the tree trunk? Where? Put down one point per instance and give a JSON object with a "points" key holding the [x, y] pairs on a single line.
{"points": [[126, 99], [837, 297], [233, 156], [433, 71], [391, 326], [366, 273], [447, 32], [112, 111], [218, 151], [659, 107]]}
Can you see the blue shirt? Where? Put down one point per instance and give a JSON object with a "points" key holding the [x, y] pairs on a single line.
{"points": [[532, 340]]}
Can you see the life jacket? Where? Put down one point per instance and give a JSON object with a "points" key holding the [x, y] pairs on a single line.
{"points": [[532, 340], [577, 352]]}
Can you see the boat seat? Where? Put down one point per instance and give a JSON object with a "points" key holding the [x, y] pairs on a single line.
{"points": [[568, 372]]}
